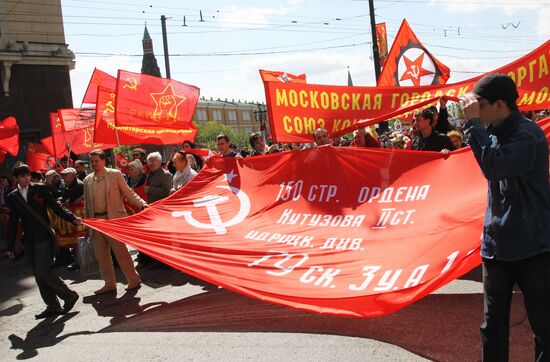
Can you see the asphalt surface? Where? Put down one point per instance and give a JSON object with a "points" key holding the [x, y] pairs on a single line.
{"points": [[175, 317]]}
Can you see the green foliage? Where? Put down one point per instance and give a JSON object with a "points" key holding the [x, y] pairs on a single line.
{"points": [[207, 133], [126, 151]]}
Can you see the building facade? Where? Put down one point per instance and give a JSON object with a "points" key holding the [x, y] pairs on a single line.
{"points": [[239, 116], [34, 66]]}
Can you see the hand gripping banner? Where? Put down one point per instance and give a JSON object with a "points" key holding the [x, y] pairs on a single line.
{"points": [[340, 231]]}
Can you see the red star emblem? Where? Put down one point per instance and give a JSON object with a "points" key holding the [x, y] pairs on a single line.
{"points": [[414, 71]]}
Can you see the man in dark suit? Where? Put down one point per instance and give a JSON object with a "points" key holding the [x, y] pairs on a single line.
{"points": [[29, 203]]}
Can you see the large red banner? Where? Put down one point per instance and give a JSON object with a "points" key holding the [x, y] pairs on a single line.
{"points": [[341, 231], [296, 110], [107, 132], [146, 101]]}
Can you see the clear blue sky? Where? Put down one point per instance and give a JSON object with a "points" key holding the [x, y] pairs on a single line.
{"points": [[222, 54]]}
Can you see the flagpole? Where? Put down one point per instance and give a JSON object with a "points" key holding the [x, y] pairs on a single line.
{"points": [[384, 125], [375, 50]]}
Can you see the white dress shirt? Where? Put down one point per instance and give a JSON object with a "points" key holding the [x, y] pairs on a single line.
{"points": [[23, 191]]}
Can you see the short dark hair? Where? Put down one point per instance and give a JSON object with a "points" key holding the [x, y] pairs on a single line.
{"points": [[222, 136], [255, 137], [181, 155], [4, 177], [425, 113], [21, 170], [191, 144], [98, 152], [37, 175], [509, 103]]}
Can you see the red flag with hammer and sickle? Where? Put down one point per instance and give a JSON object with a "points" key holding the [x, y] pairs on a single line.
{"points": [[410, 64]]}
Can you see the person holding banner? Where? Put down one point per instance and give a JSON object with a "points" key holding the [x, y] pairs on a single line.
{"points": [[427, 138], [29, 203], [512, 152], [104, 192], [322, 137]]}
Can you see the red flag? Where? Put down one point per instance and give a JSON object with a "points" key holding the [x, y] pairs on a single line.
{"points": [[382, 40], [48, 144], [157, 103], [9, 136], [274, 76], [98, 79], [58, 140], [79, 139], [2, 156], [38, 157], [76, 118], [122, 163], [410, 64], [106, 131], [339, 242]]}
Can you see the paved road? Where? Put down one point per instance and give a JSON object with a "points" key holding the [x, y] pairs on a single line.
{"points": [[175, 317]]}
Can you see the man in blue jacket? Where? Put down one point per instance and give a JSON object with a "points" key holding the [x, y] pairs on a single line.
{"points": [[512, 152]]}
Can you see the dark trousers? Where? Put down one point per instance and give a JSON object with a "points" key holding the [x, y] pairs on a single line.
{"points": [[39, 254], [533, 278]]}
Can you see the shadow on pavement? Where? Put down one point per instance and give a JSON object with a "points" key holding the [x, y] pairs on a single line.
{"points": [[442, 327], [119, 309], [44, 334]]}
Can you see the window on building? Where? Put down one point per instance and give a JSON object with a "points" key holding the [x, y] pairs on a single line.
{"points": [[232, 116], [201, 115], [218, 116], [246, 117]]}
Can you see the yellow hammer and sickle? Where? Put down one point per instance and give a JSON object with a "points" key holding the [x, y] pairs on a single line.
{"points": [[110, 107], [131, 83]]}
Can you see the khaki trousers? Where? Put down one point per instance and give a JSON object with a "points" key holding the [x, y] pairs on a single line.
{"points": [[103, 245]]}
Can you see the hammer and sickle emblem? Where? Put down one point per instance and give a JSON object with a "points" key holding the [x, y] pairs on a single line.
{"points": [[210, 202], [131, 83], [110, 107]]}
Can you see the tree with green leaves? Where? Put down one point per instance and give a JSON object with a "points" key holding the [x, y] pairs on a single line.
{"points": [[207, 133]]}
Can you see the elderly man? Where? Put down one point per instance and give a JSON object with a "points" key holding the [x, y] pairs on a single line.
{"points": [[74, 188], [184, 172], [54, 183], [139, 154], [104, 192], [159, 181], [322, 137]]}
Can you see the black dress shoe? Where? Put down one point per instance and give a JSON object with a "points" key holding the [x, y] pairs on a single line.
{"points": [[49, 312], [70, 302]]}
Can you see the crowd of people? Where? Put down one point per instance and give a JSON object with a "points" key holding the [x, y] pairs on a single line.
{"points": [[107, 192]]}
